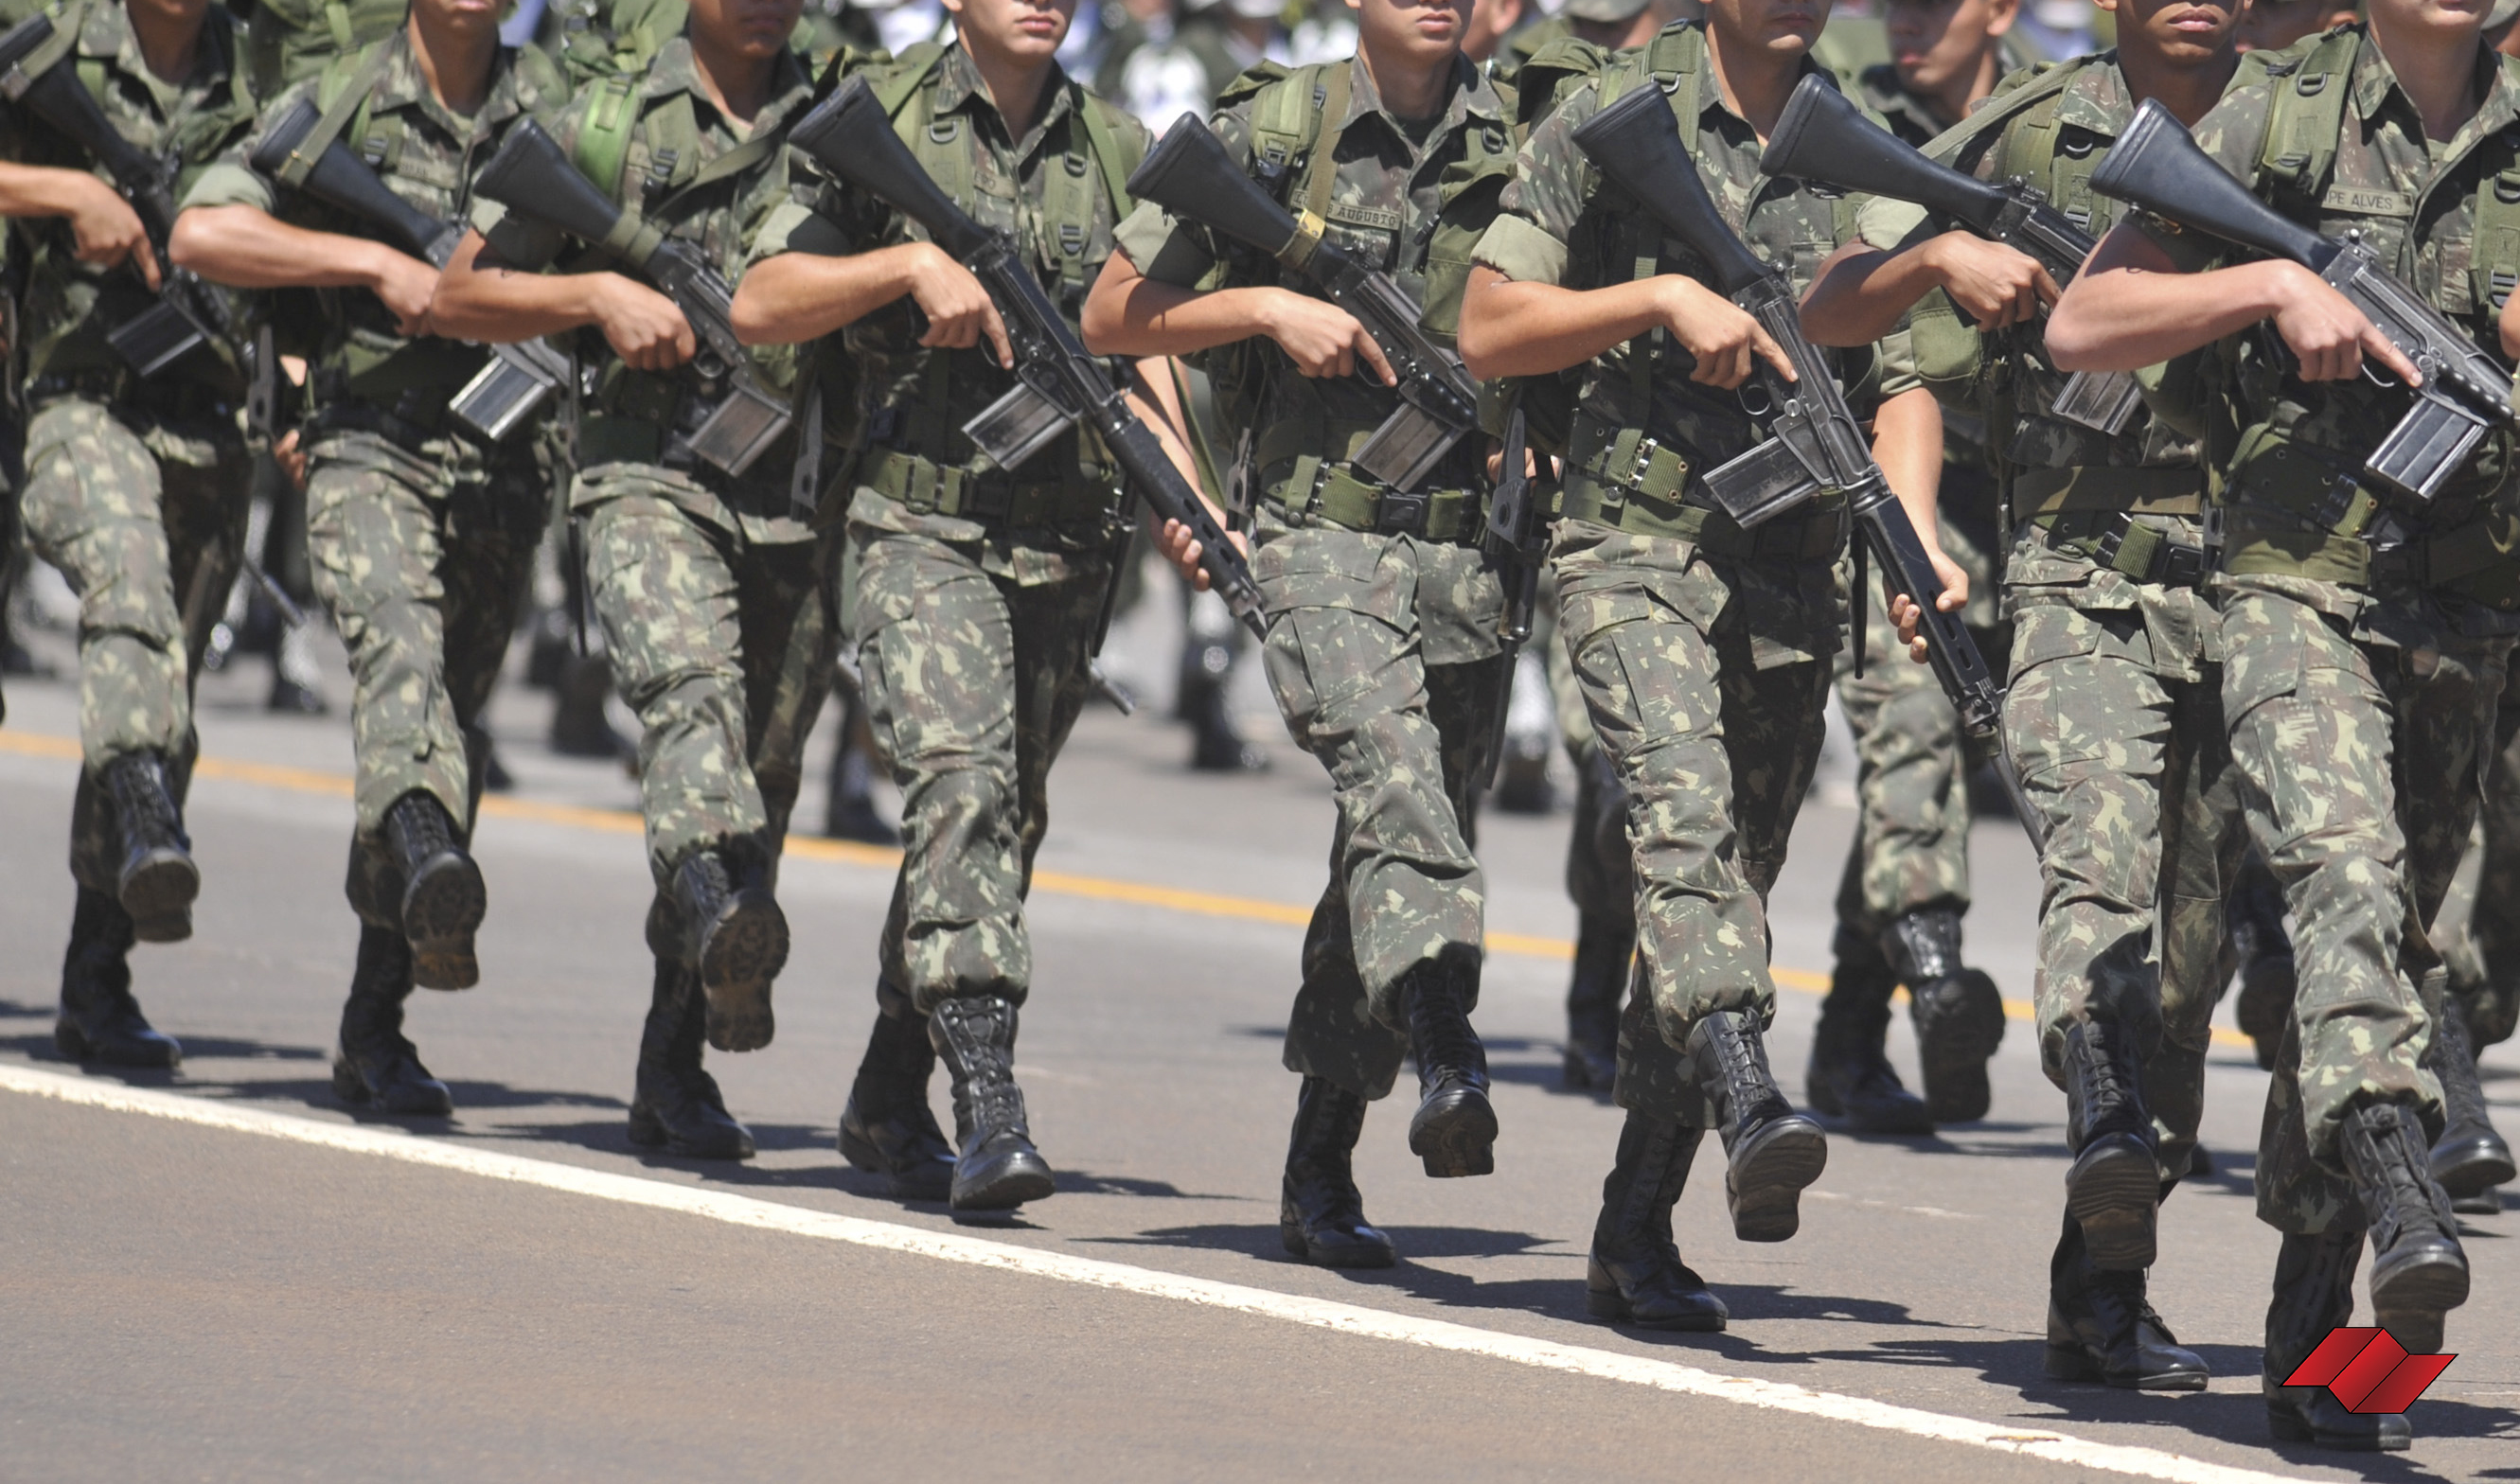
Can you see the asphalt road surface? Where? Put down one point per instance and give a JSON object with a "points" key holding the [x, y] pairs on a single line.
{"points": [[222, 1274]]}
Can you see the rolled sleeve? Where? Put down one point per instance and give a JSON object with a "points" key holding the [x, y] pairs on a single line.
{"points": [[1164, 249], [232, 183], [1890, 225], [1521, 251]]}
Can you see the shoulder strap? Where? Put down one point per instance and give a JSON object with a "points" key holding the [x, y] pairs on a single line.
{"points": [[733, 162], [911, 68], [360, 74], [2004, 107], [2305, 114], [1105, 142], [59, 44]]}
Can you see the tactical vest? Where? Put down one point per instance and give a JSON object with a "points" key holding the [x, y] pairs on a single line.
{"points": [[291, 40], [2290, 509], [1295, 157]]}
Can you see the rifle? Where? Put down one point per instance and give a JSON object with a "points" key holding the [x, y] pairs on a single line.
{"points": [[1515, 542], [187, 314], [1191, 175], [1059, 381], [2158, 166], [1815, 442], [534, 178], [1822, 136], [518, 377]]}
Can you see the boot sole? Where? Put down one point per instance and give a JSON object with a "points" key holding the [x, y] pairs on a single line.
{"points": [[863, 1155], [1455, 1138], [2421, 1292], [743, 955], [2474, 1166], [2114, 1193], [1954, 1057], [649, 1132], [2290, 1428], [1764, 1184], [440, 912], [159, 894], [2072, 1363], [1018, 1177], [404, 1101], [1614, 1307], [73, 1045], [1361, 1255]]}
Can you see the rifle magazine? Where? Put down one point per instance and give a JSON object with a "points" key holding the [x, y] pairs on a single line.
{"points": [[2103, 403], [1407, 447], [741, 429], [500, 397], [2433, 439], [150, 341], [1017, 426], [1761, 484]]}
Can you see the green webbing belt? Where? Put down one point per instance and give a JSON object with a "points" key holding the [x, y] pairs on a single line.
{"points": [[2038, 493], [1310, 492], [931, 488], [1817, 536]]}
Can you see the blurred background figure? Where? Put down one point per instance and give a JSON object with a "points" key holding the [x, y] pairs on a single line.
{"points": [[2270, 25]]}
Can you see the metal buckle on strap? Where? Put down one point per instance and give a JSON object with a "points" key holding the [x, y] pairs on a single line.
{"points": [[2170, 563], [1400, 512]]}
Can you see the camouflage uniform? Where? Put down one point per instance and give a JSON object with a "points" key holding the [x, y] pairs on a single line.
{"points": [[973, 596], [2364, 652], [135, 490], [2114, 714], [1702, 651], [2483, 959], [1382, 612], [419, 536], [708, 586]]}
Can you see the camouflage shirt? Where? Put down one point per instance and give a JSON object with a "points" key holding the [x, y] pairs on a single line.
{"points": [[1047, 189], [2283, 445], [428, 157], [1911, 116], [1409, 202], [68, 307]]}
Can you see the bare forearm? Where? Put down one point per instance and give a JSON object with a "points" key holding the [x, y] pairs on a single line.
{"points": [[246, 249], [1127, 314], [2129, 307], [1907, 444], [1513, 328], [1861, 295], [1151, 398], [798, 297], [494, 303], [41, 190]]}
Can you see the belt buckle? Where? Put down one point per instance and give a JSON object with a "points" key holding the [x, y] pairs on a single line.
{"points": [[2106, 553], [2180, 566], [1399, 511]]}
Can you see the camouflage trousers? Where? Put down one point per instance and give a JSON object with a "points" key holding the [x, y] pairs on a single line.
{"points": [[722, 648], [1910, 846], [1706, 679], [2360, 764], [145, 517], [421, 555], [1382, 652], [2484, 955], [1600, 880], [973, 682], [2116, 724]]}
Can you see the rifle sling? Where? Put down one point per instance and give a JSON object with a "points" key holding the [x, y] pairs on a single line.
{"points": [[344, 106]]}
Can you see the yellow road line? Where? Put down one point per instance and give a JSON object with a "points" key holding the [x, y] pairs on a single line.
{"points": [[1206, 904]]}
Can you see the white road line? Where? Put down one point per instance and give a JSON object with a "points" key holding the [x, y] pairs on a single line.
{"points": [[1321, 1314]]}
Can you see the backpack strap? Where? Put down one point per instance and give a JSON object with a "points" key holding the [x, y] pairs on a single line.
{"points": [[901, 82], [2043, 88], [1116, 163], [2305, 114], [358, 78], [65, 38]]}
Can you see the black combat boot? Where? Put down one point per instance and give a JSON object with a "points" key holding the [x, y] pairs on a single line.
{"points": [[677, 1106], [580, 726], [2418, 1272], [2313, 1295], [2469, 1158], [1604, 947], [158, 879], [377, 1066], [2254, 916], [442, 895], [1320, 1216], [998, 1168], [2113, 1188], [887, 1125], [1850, 1075], [99, 1021], [1958, 1012], [1207, 658], [1454, 1129], [738, 936], [1636, 1275], [1773, 1151], [2101, 1328]]}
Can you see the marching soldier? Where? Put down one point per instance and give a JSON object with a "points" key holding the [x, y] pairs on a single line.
{"points": [[1383, 611], [136, 486], [973, 594], [1702, 650], [2364, 640], [419, 532], [707, 583]]}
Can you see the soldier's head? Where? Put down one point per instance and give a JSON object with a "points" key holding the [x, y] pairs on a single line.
{"points": [[1489, 25], [2437, 22], [1424, 32], [1783, 28], [458, 16], [1940, 45], [1025, 32], [2177, 33], [754, 29], [2270, 25]]}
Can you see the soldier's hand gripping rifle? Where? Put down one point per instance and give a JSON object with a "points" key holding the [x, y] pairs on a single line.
{"points": [[534, 179], [1822, 136], [517, 378], [1517, 541], [2159, 168], [187, 313], [1060, 381], [1815, 442], [1191, 175]]}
